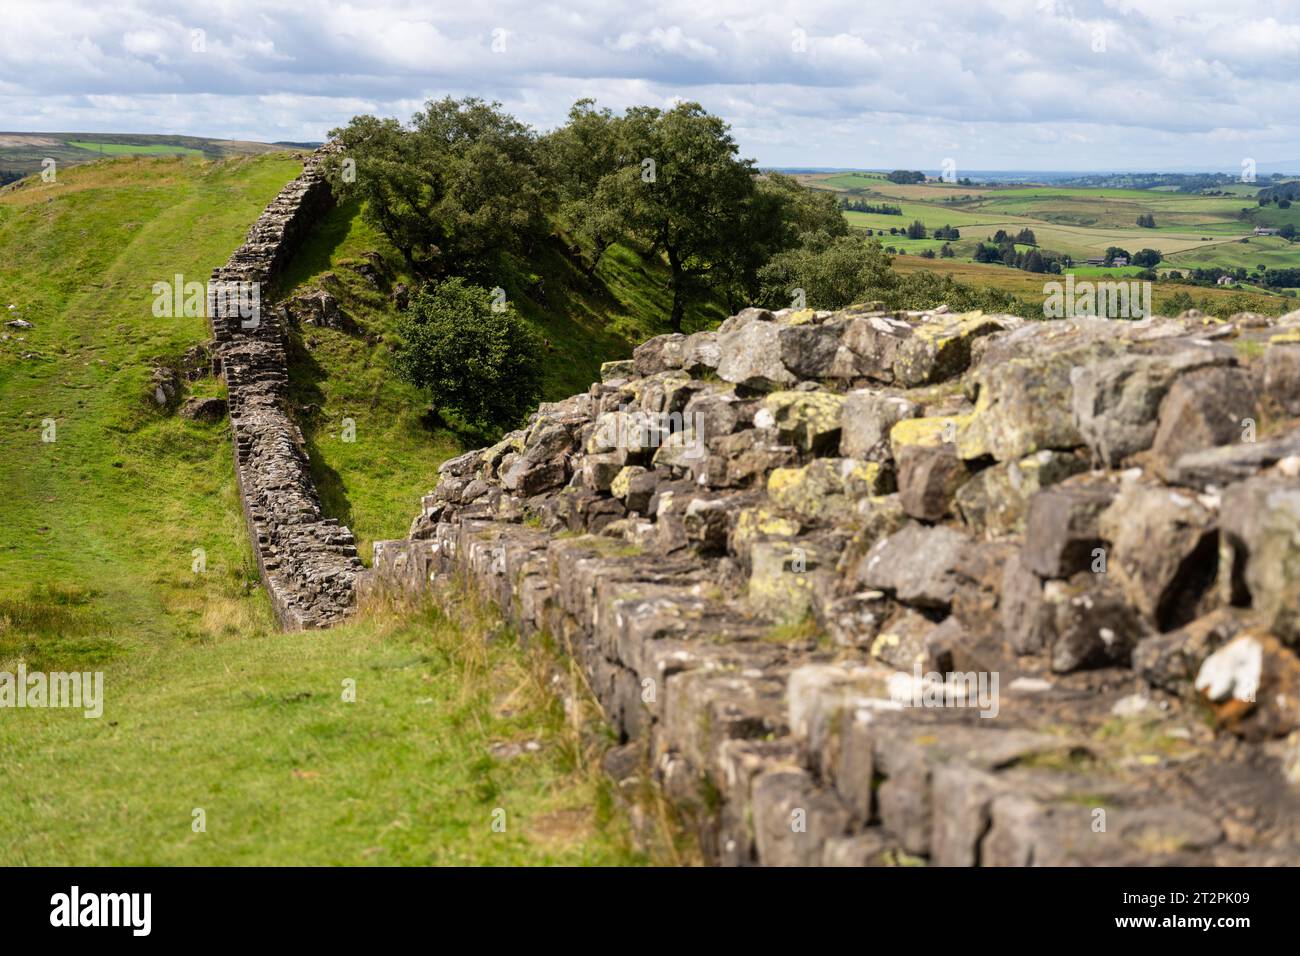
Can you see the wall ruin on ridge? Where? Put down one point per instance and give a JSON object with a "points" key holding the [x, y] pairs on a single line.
{"points": [[307, 562]]}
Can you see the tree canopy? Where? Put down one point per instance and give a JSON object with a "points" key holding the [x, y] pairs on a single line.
{"points": [[455, 191]]}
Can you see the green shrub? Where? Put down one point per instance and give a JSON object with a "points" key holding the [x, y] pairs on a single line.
{"points": [[480, 362]]}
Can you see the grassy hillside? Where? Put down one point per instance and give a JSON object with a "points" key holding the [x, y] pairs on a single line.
{"points": [[373, 483], [207, 705]]}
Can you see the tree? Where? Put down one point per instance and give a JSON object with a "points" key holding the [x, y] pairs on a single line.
{"points": [[577, 156], [916, 230], [1146, 221], [1177, 303], [781, 215], [456, 190], [803, 211], [478, 359], [688, 196], [396, 190], [1146, 258], [832, 272]]}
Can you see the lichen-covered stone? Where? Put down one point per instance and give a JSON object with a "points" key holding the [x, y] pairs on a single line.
{"points": [[827, 488], [1023, 406], [808, 420], [917, 564], [995, 500], [866, 419], [928, 477], [750, 355], [1063, 528], [1204, 409], [874, 343], [812, 670], [1116, 402], [617, 371], [941, 349], [1164, 551], [1261, 520], [659, 354], [929, 432]]}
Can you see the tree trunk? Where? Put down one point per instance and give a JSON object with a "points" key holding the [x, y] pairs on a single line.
{"points": [[679, 304], [600, 248]]}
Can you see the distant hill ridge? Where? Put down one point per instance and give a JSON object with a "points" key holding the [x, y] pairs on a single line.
{"points": [[22, 154]]}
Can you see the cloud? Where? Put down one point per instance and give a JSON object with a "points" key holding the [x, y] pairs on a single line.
{"points": [[994, 84]]}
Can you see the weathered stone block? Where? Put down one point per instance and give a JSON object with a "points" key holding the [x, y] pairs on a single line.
{"points": [[793, 820], [1063, 528], [928, 477], [917, 564], [865, 422]]}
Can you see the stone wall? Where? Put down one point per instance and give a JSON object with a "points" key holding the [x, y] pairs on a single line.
{"points": [[876, 588], [308, 562]]}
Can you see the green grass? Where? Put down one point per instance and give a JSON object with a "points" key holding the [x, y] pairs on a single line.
{"points": [[118, 502], [135, 149], [257, 735], [208, 705], [1272, 251]]}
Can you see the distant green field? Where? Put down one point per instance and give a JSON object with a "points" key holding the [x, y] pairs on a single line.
{"points": [[855, 180], [1191, 230], [1271, 251], [132, 149]]}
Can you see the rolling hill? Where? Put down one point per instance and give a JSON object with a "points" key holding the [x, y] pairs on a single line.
{"points": [[22, 154], [109, 497]]}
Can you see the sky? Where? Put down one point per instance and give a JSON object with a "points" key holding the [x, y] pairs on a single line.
{"points": [[986, 84]]}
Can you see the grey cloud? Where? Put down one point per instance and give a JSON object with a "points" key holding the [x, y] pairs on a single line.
{"points": [[1000, 82]]}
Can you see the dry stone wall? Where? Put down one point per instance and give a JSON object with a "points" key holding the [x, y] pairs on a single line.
{"points": [[873, 588], [308, 562]]}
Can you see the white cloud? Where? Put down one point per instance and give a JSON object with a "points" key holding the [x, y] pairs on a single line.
{"points": [[995, 84]]}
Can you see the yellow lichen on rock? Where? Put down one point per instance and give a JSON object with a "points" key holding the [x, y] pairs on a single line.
{"points": [[928, 432], [809, 420]]}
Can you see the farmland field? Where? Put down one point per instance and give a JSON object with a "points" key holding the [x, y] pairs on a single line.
{"points": [[1191, 231], [1029, 285]]}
